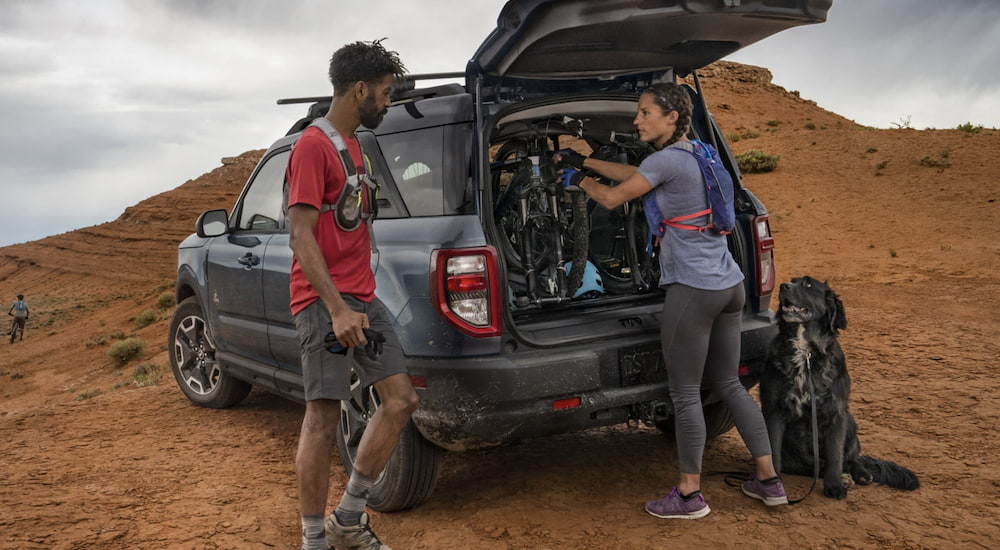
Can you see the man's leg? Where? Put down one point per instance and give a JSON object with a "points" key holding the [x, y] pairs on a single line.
{"points": [[312, 467], [398, 401]]}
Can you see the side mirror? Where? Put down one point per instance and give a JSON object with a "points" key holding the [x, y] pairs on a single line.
{"points": [[212, 223]]}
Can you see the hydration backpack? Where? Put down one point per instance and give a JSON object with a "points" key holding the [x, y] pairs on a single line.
{"points": [[720, 214], [349, 209], [20, 309]]}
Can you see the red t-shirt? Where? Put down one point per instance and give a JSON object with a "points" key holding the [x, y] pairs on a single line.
{"points": [[315, 178]]}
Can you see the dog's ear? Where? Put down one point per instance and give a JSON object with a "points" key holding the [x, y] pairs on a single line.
{"points": [[835, 311]]}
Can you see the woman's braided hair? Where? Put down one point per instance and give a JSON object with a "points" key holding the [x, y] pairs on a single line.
{"points": [[670, 96]]}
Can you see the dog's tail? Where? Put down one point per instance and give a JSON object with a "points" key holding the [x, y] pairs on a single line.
{"points": [[890, 473]]}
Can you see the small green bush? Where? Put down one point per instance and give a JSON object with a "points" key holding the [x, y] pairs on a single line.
{"points": [[123, 351], [969, 128], [166, 300], [733, 137], [927, 160], [102, 339], [871, 149], [83, 396], [146, 318], [755, 161], [146, 374], [810, 126], [773, 123]]}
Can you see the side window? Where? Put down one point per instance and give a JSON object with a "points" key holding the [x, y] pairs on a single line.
{"points": [[260, 209], [416, 161]]}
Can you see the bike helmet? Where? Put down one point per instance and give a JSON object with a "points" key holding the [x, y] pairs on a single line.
{"points": [[591, 286], [20, 296]]}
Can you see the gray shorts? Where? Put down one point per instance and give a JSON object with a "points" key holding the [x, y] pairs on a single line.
{"points": [[327, 375]]}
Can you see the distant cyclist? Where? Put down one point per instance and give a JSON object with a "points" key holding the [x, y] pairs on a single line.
{"points": [[19, 309]]}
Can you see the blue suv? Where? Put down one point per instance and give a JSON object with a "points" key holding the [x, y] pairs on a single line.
{"points": [[522, 311]]}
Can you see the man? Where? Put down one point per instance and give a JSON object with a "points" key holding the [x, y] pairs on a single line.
{"points": [[332, 287], [19, 309]]}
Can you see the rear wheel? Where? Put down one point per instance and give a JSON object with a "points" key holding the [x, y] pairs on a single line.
{"points": [[192, 360], [409, 478]]}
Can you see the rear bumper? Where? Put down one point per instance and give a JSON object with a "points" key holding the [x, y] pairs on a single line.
{"points": [[481, 402]]}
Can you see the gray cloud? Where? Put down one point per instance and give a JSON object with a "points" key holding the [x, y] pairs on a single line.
{"points": [[106, 103]]}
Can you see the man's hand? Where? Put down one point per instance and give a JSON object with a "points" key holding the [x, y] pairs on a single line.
{"points": [[570, 157], [570, 179], [373, 348]]}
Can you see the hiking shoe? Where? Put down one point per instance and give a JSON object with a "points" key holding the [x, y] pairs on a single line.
{"points": [[352, 537], [769, 491], [673, 506]]}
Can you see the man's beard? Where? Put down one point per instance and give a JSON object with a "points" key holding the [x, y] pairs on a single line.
{"points": [[371, 117]]}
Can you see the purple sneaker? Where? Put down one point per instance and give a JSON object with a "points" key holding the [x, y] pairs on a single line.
{"points": [[769, 491], [673, 506]]}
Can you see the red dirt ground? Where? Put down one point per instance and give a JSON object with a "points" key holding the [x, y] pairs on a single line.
{"points": [[92, 460]]}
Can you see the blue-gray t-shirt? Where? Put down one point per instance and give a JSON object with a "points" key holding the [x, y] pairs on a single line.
{"points": [[698, 259]]}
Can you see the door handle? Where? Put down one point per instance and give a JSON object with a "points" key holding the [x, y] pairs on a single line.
{"points": [[249, 260]]}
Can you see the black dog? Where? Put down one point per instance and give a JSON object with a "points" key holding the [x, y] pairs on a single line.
{"points": [[811, 317]]}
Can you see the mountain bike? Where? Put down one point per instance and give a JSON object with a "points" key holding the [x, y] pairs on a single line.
{"points": [[15, 327]]}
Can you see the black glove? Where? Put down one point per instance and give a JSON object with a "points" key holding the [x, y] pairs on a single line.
{"points": [[372, 349], [570, 179], [375, 341], [571, 157]]}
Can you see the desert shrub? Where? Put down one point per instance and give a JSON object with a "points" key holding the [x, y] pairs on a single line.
{"points": [[166, 300], [969, 128], [773, 123], [756, 161], [102, 339], [82, 396], [126, 350], [871, 149], [146, 318], [733, 137], [810, 126], [932, 162], [146, 374]]}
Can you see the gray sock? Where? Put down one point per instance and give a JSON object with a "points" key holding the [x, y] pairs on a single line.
{"points": [[313, 533], [355, 498]]}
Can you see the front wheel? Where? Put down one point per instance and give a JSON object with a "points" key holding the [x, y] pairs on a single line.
{"points": [[192, 360], [409, 478]]}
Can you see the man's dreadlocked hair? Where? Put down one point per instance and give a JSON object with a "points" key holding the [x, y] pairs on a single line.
{"points": [[670, 96], [363, 62]]}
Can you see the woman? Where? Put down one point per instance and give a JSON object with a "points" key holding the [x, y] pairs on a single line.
{"points": [[704, 297]]}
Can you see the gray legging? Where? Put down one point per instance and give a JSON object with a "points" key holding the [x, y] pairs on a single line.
{"points": [[701, 340]]}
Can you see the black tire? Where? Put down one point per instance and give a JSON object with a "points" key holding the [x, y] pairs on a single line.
{"points": [[192, 359], [411, 474], [718, 420], [507, 217]]}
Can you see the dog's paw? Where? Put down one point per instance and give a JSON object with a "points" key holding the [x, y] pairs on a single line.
{"points": [[847, 480], [863, 477], [836, 491]]}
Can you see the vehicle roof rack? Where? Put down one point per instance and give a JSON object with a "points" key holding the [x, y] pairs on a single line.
{"points": [[403, 90]]}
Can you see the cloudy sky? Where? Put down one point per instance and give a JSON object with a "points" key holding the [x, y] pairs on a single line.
{"points": [[107, 102]]}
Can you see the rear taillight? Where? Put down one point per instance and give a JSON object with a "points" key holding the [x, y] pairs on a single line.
{"points": [[465, 287], [764, 254]]}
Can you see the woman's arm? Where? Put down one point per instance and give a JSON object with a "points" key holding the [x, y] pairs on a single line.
{"points": [[632, 187], [612, 170]]}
